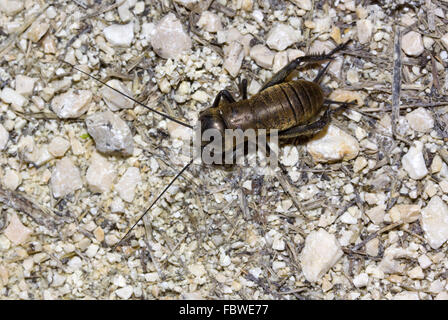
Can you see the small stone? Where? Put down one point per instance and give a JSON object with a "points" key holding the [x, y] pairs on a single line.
{"points": [[11, 7], [197, 269], [49, 44], [407, 295], [71, 104], [4, 137], [437, 286], [37, 30], [169, 38], [280, 60], [436, 164], [347, 96], [278, 244], [352, 76], [320, 47], [281, 36], [75, 263], [11, 96], [420, 120], [210, 22], [117, 205], [435, 222], [234, 55], [336, 35], [100, 174], [405, 213], [372, 247], [444, 41], [16, 232], [442, 296], [333, 145], [303, 4], [262, 56], [416, 273], [127, 184], [24, 85], [428, 43], [92, 250], [424, 261], [376, 214], [359, 164], [320, 253], [65, 178], [58, 147], [200, 96], [178, 131], [412, 44], [361, 280], [414, 163], [364, 27], [32, 153], [111, 134], [290, 156], [99, 234], [120, 35], [114, 100], [12, 179]]}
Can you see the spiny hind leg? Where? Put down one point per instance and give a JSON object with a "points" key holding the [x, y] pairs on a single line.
{"points": [[281, 75], [306, 130]]}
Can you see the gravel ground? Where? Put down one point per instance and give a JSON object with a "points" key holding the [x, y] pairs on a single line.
{"points": [[358, 212]]}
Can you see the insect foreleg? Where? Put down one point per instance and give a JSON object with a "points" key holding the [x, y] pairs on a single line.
{"points": [[223, 94], [243, 89]]}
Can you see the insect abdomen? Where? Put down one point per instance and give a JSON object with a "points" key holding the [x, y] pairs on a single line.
{"points": [[279, 107]]}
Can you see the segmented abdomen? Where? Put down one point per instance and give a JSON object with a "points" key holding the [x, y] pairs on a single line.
{"points": [[279, 107]]}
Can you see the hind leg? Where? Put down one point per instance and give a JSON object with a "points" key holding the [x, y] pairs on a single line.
{"points": [[280, 76]]}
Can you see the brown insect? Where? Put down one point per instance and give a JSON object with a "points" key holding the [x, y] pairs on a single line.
{"points": [[294, 108]]}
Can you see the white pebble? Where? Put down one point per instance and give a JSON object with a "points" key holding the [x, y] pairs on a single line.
{"points": [[169, 38], [332, 145], [71, 104], [100, 174], [13, 97], [420, 120], [114, 100], [12, 179], [125, 292], [16, 232], [210, 22], [127, 184], [414, 163], [364, 28], [65, 178], [303, 4], [361, 280], [320, 253], [58, 147], [117, 205], [24, 85], [435, 222], [412, 44], [444, 41], [75, 263], [282, 36], [262, 56], [4, 137], [120, 35], [234, 55], [11, 7]]}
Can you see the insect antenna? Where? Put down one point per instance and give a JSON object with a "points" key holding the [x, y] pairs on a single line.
{"points": [[129, 97], [152, 204]]}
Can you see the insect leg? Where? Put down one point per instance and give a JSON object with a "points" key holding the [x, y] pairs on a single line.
{"points": [[321, 73], [223, 94], [280, 76], [243, 89], [306, 130]]}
